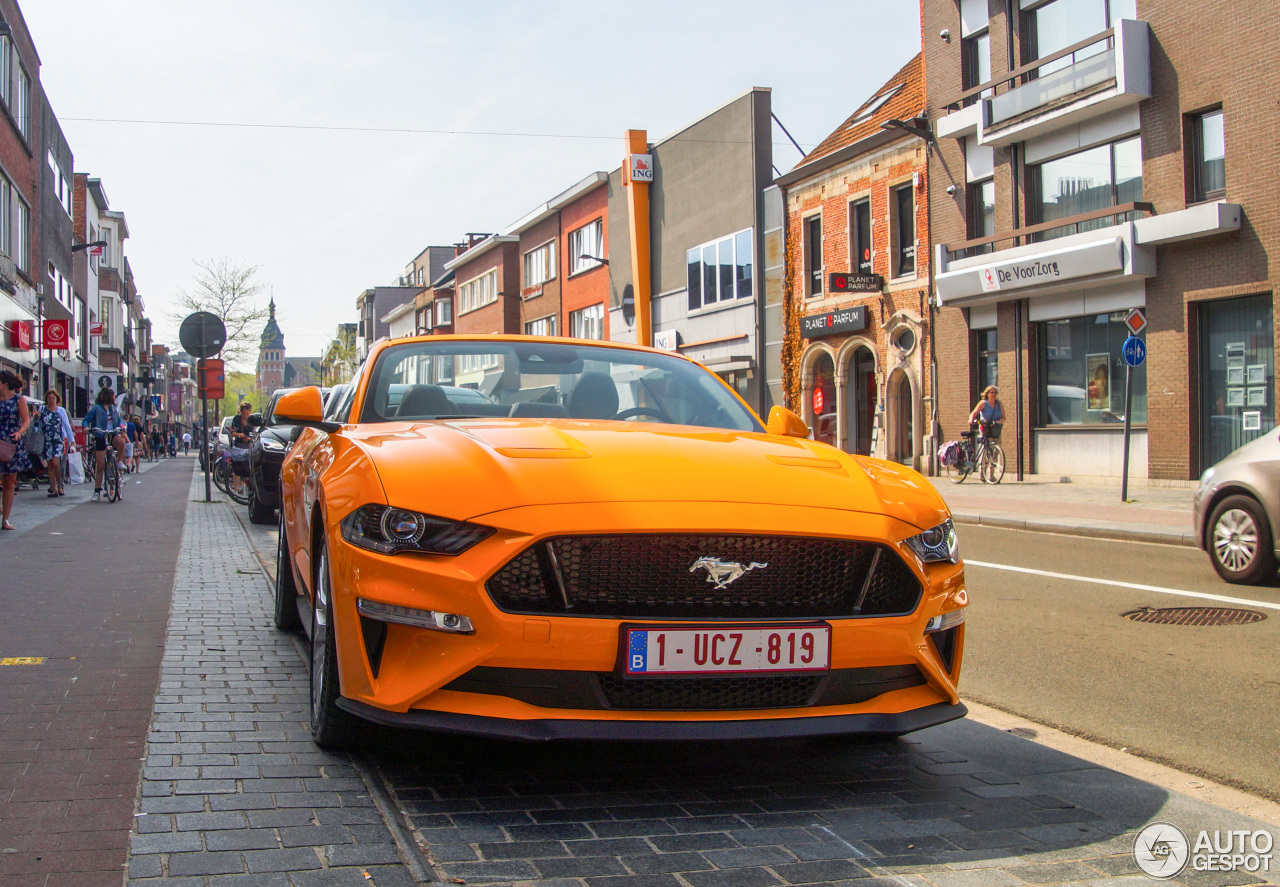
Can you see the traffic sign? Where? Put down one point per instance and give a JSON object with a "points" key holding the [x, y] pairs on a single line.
{"points": [[1136, 321], [202, 334], [1134, 351]]}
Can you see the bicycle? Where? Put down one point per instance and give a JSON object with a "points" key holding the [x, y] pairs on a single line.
{"points": [[226, 479], [986, 457], [111, 467]]}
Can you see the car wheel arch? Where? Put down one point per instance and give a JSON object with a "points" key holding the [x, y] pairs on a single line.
{"points": [[1236, 489]]}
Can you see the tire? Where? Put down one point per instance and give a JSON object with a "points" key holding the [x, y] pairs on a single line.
{"points": [[1240, 542], [331, 727], [286, 595], [220, 476], [259, 513], [992, 470], [111, 479], [957, 473]]}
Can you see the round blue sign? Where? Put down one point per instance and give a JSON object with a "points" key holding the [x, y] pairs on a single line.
{"points": [[1134, 351]]}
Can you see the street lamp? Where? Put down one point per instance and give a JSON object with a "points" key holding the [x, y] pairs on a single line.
{"points": [[76, 247]]}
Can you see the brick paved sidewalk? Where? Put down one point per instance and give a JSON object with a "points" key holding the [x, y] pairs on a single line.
{"points": [[233, 791], [86, 601]]}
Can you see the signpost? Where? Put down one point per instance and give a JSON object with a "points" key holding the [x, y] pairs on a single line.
{"points": [[202, 335], [1135, 352]]}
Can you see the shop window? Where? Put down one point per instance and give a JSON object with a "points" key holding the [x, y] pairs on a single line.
{"points": [[720, 271], [1082, 372], [813, 256], [987, 359], [1094, 179], [903, 207], [1237, 374], [860, 236], [1208, 145]]}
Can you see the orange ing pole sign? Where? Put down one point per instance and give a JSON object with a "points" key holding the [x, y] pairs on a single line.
{"points": [[637, 173]]}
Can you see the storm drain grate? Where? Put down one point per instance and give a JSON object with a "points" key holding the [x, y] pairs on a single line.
{"points": [[1195, 616]]}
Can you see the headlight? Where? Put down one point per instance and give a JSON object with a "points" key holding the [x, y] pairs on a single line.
{"points": [[271, 444], [938, 545], [390, 530], [1206, 477]]}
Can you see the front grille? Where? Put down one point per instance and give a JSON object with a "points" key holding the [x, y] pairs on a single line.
{"points": [[709, 694], [650, 576], [602, 691]]}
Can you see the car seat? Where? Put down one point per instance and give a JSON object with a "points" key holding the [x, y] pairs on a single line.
{"points": [[594, 397]]}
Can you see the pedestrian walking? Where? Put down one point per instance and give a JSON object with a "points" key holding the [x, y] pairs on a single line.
{"points": [[14, 420], [58, 441]]}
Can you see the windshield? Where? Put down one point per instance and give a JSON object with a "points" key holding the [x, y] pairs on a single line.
{"points": [[545, 380]]}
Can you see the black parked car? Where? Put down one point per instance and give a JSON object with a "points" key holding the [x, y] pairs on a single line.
{"points": [[271, 441]]}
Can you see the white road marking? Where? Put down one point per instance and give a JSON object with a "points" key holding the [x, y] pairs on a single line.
{"points": [[1221, 598]]}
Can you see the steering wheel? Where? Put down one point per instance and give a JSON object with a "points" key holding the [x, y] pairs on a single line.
{"points": [[645, 411]]}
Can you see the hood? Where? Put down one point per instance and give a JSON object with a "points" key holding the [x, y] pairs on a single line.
{"points": [[465, 469]]}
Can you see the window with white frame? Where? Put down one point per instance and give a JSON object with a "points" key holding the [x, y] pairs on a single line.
{"points": [[6, 71], [540, 264], [22, 105], [721, 270], [587, 323], [543, 326], [586, 247], [6, 210], [478, 292], [61, 186], [444, 312], [21, 234]]}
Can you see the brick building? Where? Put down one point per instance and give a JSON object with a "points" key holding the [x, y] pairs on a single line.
{"points": [[271, 361], [564, 284], [1097, 156], [857, 355]]}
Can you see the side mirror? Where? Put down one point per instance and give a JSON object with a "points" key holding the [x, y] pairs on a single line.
{"points": [[255, 420], [301, 406], [786, 423]]}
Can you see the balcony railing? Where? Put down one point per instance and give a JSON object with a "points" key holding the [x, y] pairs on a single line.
{"points": [[1057, 82], [979, 245]]}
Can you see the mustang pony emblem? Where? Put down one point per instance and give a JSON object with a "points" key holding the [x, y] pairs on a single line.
{"points": [[723, 573]]}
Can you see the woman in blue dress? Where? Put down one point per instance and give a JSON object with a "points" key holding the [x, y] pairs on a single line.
{"points": [[56, 428], [14, 421]]}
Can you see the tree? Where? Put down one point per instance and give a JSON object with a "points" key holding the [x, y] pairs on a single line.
{"points": [[229, 289]]}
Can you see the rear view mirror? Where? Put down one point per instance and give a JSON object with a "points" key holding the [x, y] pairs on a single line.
{"points": [[786, 423]]}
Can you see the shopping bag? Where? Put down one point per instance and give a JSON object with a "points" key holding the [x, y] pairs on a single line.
{"points": [[75, 470]]}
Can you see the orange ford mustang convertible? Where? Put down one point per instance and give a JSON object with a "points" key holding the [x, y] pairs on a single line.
{"points": [[561, 539]]}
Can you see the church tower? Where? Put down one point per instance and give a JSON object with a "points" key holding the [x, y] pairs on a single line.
{"points": [[271, 355]]}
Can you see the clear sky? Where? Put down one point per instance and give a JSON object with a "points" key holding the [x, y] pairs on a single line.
{"points": [[328, 210]]}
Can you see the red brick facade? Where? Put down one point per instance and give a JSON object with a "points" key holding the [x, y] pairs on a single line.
{"points": [[503, 314], [590, 287]]}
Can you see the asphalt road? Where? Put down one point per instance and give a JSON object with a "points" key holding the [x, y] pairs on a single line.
{"points": [[1057, 651]]}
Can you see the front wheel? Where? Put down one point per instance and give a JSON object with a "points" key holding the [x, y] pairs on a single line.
{"points": [[1240, 544], [992, 470], [331, 727]]}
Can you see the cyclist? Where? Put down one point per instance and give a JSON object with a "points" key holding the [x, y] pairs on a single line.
{"points": [[186, 443], [104, 423]]}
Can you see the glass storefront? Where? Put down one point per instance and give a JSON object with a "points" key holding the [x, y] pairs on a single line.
{"points": [[822, 403], [1082, 372], [1237, 375]]}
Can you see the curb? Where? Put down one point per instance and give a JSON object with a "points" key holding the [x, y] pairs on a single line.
{"points": [[1171, 537]]}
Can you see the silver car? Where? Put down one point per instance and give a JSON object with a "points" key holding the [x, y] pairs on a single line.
{"points": [[1236, 507]]}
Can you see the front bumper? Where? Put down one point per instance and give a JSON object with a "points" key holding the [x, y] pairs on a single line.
{"points": [[886, 724], [408, 676]]}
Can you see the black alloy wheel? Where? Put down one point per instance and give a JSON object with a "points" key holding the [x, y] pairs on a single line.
{"points": [[286, 597], [331, 727]]}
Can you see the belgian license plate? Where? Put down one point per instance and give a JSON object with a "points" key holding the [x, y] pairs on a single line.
{"points": [[728, 650]]}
